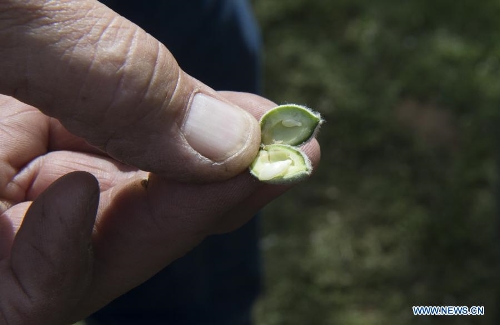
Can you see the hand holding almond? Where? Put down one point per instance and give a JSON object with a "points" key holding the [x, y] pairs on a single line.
{"points": [[114, 162]]}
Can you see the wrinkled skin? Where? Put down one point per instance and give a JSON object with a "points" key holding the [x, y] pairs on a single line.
{"points": [[79, 225]]}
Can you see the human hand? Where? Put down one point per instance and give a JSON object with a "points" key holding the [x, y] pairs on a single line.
{"points": [[108, 82]]}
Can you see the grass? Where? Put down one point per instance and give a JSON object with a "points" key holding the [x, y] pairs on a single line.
{"points": [[402, 210]]}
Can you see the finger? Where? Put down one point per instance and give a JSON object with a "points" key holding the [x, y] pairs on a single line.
{"points": [[114, 85], [51, 256], [151, 223], [43, 171]]}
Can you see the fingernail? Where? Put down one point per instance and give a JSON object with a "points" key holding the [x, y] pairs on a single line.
{"points": [[215, 129]]}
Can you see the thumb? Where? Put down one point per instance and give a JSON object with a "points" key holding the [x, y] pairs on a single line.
{"points": [[113, 84], [51, 260]]}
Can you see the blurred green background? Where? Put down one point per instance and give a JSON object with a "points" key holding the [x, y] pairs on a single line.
{"points": [[402, 210]]}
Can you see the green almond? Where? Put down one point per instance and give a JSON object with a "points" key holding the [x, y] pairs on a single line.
{"points": [[283, 129], [289, 124]]}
